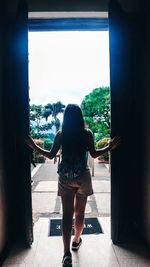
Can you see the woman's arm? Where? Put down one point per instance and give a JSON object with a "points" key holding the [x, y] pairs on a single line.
{"points": [[113, 143], [49, 154]]}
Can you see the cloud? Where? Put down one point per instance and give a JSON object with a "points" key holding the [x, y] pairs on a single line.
{"points": [[67, 65]]}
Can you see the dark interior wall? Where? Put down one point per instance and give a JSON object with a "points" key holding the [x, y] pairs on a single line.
{"points": [[82, 5]]}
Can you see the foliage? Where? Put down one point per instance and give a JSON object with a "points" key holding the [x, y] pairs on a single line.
{"points": [[41, 134], [100, 135], [48, 144], [47, 111], [53, 110], [34, 133], [96, 110], [36, 114], [56, 123], [51, 136], [46, 127], [39, 112], [100, 144], [38, 157]]}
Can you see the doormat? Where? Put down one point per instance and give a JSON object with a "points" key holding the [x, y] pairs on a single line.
{"points": [[91, 226]]}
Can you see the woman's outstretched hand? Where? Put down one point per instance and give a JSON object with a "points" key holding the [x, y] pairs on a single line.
{"points": [[29, 141], [114, 142]]}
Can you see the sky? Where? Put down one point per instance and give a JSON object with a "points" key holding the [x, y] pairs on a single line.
{"points": [[66, 66]]}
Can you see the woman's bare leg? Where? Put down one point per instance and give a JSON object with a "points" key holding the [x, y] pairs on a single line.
{"points": [[79, 210], [68, 210]]}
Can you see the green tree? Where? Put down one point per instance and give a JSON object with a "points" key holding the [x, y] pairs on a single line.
{"points": [[96, 111], [46, 127], [53, 110], [36, 114], [48, 111]]}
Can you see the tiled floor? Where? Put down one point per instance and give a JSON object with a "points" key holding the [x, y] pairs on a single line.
{"points": [[46, 203], [95, 251], [44, 198]]}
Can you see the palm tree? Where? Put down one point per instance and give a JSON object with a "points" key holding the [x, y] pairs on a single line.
{"points": [[53, 110], [48, 110], [58, 107]]}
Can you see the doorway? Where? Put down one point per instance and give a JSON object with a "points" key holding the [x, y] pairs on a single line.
{"points": [[121, 84], [44, 190]]}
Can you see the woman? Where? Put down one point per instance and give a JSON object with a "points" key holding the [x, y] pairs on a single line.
{"points": [[74, 183]]}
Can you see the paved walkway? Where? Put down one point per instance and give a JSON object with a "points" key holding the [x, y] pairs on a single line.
{"points": [[96, 250], [46, 203]]}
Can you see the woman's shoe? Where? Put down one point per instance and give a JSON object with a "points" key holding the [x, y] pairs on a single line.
{"points": [[67, 260], [75, 245]]}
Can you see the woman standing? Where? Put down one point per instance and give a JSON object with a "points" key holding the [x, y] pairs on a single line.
{"points": [[74, 181]]}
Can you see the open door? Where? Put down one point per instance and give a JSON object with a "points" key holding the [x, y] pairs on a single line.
{"points": [[23, 118], [16, 109], [128, 110]]}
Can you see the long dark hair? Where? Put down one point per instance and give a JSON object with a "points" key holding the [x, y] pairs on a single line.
{"points": [[73, 131]]}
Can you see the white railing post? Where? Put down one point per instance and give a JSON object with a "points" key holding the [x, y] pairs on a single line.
{"points": [[90, 162]]}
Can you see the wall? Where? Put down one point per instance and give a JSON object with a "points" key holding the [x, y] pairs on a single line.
{"points": [[82, 5]]}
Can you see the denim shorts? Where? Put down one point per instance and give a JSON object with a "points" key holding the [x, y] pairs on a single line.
{"points": [[81, 186]]}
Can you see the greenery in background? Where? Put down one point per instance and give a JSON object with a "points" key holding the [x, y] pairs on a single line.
{"points": [[100, 144], [96, 111], [39, 112], [42, 130], [48, 143], [53, 110], [38, 158], [36, 117]]}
